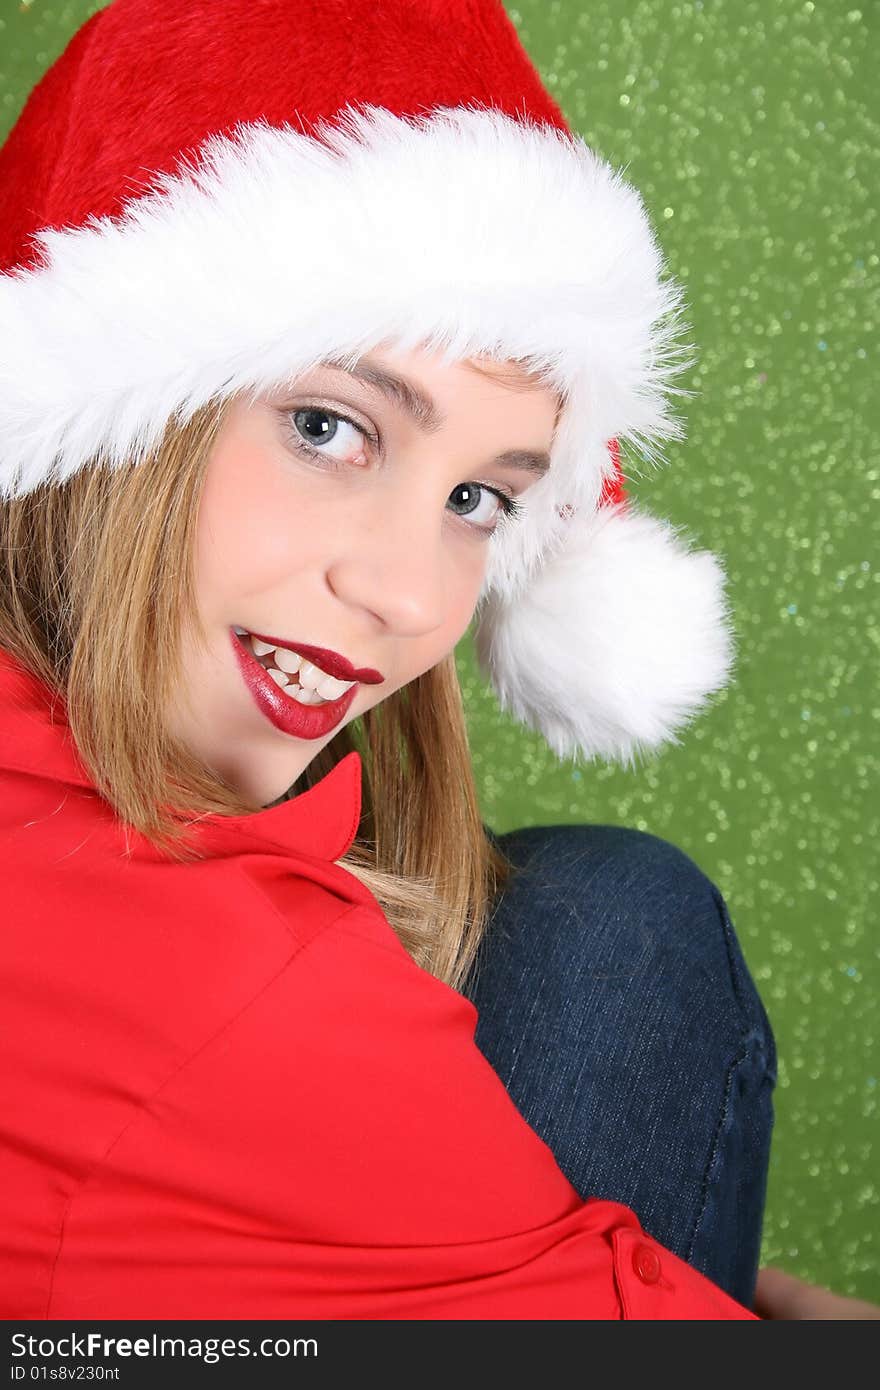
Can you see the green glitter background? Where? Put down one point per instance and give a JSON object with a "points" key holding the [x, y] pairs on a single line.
{"points": [[751, 131]]}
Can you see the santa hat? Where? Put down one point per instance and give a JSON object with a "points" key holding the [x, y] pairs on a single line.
{"points": [[215, 195]]}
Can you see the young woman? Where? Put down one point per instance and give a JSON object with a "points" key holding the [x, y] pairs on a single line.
{"points": [[318, 345]]}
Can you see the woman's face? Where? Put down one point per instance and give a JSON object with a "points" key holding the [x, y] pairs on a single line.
{"points": [[373, 547]]}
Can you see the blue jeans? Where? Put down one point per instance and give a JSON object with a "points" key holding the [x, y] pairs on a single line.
{"points": [[616, 1007]]}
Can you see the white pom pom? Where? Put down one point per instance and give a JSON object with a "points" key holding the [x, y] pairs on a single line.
{"points": [[617, 642]]}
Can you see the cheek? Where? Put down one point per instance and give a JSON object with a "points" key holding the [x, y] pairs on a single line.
{"points": [[253, 522], [463, 601], [462, 598], [471, 576]]}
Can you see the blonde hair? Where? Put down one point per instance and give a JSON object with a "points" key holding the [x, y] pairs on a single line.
{"points": [[96, 590]]}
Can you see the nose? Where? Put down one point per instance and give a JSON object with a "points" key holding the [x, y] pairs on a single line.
{"points": [[388, 558]]}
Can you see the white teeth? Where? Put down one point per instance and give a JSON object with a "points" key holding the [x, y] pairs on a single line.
{"points": [[310, 675], [242, 631], [331, 689], [312, 680], [288, 661], [302, 697]]}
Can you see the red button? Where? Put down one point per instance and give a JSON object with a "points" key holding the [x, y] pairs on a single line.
{"points": [[646, 1263]]}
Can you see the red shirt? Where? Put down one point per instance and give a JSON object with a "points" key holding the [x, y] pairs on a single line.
{"points": [[227, 1090]]}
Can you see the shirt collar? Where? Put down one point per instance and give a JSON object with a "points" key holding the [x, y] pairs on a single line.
{"points": [[35, 738]]}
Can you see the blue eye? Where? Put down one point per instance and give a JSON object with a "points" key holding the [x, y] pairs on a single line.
{"points": [[509, 507], [316, 427]]}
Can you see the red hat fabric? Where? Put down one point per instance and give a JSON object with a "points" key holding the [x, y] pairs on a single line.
{"points": [[146, 83], [213, 196]]}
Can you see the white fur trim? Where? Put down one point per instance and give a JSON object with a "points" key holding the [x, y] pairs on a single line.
{"points": [[617, 641], [464, 230]]}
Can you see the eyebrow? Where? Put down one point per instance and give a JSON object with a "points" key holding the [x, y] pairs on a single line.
{"points": [[417, 404]]}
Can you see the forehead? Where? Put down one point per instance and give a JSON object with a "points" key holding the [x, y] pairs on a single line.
{"points": [[508, 371], [516, 376], [395, 373]]}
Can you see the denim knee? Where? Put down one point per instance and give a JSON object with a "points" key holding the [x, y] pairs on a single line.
{"points": [[617, 896], [615, 1003]]}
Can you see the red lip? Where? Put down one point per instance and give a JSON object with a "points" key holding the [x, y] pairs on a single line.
{"points": [[300, 721], [331, 662]]}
